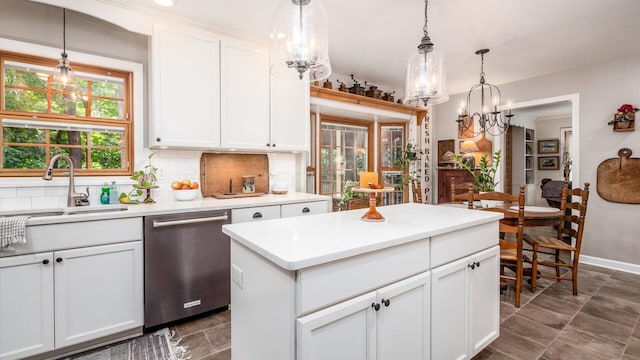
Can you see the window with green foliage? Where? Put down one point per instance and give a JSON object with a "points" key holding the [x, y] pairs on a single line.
{"points": [[89, 121]]}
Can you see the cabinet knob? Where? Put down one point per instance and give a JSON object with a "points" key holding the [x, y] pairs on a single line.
{"points": [[257, 215], [268, 144], [305, 210], [45, 261], [478, 263], [273, 145], [472, 266], [158, 139], [375, 306], [59, 260], [386, 302]]}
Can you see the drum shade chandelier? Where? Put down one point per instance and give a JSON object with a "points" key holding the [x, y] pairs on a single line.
{"points": [[426, 78], [490, 119], [63, 74], [301, 39]]}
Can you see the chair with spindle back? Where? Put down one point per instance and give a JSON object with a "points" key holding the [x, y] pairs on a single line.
{"points": [[456, 195], [575, 218], [510, 252]]}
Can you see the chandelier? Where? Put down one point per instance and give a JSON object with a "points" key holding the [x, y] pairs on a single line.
{"points": [[426, 78], [63, 74], [301, 39], [490, 119]]}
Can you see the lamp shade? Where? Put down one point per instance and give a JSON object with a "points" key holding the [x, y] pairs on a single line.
{"points": [[426, 78], [301, 39], [468, 146]]}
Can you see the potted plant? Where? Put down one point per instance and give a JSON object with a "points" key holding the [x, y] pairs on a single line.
{"points": [[348, 195], [485, 175], [145, 180], [409, 163]]}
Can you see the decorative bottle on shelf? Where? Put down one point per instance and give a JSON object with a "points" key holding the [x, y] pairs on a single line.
{"points": [[113, 193], [104, 195]]}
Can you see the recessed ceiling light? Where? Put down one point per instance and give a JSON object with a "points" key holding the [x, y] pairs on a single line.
{"points": [[165, 2]]}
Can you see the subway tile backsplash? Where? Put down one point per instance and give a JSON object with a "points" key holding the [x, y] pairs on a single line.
{"points": [[35, 193]]}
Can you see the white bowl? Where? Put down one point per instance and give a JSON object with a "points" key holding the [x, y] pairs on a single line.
{"points": [[185, 195]]}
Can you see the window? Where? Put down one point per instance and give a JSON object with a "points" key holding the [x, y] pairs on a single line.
{"points": [[392, 142], [90, 122], [344, 152]]}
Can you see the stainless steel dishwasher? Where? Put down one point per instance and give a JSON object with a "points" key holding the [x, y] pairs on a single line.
{"points": [[186, 265]]}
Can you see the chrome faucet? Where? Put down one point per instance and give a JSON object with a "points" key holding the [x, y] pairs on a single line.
{"points": [[73, 198]]}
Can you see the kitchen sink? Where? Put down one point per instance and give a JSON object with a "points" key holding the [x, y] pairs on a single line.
{"points": [[65, 210]]}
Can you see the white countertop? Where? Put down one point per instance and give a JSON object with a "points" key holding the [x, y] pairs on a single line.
{"points": [[171, 207], [300, 242]]}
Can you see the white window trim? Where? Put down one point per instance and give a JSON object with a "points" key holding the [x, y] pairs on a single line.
{"points": [[140, 153]]}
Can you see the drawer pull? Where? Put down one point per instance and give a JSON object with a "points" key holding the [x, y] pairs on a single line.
{"points": [[257, 215], [478, 263], [45, 261], [157, 224], [386, 302], [472, 265], [59, 260], [306, 210], [375, 306]]}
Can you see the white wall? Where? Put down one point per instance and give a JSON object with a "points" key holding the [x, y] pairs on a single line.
{"points": [[612, 229]]}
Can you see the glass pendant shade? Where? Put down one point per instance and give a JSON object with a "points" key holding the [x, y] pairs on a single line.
{"points": [[426, 78], [63, 75], [301, 39]]}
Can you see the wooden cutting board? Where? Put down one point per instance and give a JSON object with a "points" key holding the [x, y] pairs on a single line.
{"points": [[235, 195], [485, 147], [216, 170], [618, 179]]}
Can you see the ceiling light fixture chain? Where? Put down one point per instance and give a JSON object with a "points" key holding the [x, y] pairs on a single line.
{"points": [[63, 74], [426, 79], [490, 119]]}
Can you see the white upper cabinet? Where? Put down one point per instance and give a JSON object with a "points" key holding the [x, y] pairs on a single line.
{"points": [[289, 112], [244, 96], [185, 88]]}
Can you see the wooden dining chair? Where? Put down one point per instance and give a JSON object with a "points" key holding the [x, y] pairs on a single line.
{"points": [[574, 218], [456, 194], [510, 252]]}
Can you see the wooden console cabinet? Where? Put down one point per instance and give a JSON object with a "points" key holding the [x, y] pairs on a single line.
{"points": [[444, 182]]}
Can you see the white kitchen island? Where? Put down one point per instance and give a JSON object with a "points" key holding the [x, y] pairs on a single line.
{"points": [[423, 284]]}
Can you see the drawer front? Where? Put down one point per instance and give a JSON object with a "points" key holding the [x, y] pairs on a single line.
{"points": [[255, 214], [458, 244], [328, 284], [308, 208]]}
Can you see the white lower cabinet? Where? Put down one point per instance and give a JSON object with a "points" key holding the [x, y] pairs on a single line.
{"points": [[98, 291], [87, 293], [278, 211], [390, 323], [465, 305], [26, 305]]}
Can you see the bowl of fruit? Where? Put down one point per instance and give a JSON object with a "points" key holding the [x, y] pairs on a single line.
{"points": [[185, 190]]}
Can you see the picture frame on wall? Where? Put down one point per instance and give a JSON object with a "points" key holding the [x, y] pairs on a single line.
{"points": [[550, 146], [548, 162]]}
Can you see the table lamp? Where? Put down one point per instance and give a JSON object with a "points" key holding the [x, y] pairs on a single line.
{"points": [[468, 147]]}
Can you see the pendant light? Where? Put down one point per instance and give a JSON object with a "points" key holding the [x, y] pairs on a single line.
{"points": [[301, 39], [490, 119], [426, 78], [63, 74]]}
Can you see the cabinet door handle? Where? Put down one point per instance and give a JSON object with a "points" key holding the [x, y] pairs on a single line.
{"points": [[305, 210], [478, 263], [268, 144], [375, 306], [257, 215], [273, 145], [386, 302], [472, 266], [158, 139], [59, 260], [45, 261]]}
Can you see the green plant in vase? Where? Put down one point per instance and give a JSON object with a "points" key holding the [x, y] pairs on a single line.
{"points": [[485, 175], [409, 156], [145, 181]]}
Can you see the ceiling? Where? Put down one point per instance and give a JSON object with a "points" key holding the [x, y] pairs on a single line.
{"points": [[373, 39]]}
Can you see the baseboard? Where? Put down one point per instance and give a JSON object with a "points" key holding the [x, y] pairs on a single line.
{"points": [[610, 264]]}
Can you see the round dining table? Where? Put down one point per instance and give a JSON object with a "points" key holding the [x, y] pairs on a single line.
{"points": [[533, 215]]}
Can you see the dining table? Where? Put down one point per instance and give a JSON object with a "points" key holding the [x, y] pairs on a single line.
{"points": [[533, 215]]}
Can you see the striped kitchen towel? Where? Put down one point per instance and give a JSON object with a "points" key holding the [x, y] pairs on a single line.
{"points": [[12, 231]]}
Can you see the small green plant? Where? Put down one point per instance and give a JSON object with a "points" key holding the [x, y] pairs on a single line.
{"points": [[409, 156], [146, 179], [348, 193], [485, 176]]}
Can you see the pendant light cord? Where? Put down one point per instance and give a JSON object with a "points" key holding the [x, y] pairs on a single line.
{"points": [[64, 31], [424, 28]]}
